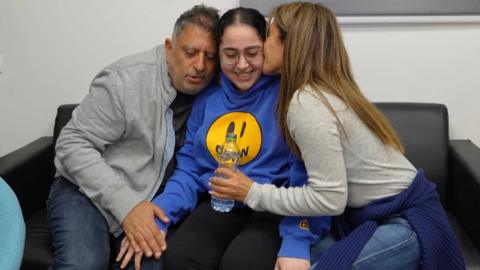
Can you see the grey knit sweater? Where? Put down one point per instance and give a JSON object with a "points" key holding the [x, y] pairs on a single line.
{"points": [[113, 147], [343, 170]]}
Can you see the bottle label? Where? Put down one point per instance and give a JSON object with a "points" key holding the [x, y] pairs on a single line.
{"points": [[228, 160]]}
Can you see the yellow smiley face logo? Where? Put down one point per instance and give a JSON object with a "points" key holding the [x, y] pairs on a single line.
{"points": [[247, 129]]}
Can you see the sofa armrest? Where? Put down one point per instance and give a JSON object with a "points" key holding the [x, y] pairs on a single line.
{"points": [[464, 183], [28, 171]]}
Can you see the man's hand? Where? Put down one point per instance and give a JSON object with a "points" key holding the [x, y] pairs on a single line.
{"points": [[286, 263], [143, 234], [233, 185]]}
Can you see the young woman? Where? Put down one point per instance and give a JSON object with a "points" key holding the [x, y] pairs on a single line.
{"points": [[392, 217], [244, 103]]}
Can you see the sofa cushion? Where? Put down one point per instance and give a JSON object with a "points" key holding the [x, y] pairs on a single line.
{"points": [[469, 251]]}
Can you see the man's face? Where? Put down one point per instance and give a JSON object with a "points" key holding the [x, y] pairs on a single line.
{"points": [[191, 59]]}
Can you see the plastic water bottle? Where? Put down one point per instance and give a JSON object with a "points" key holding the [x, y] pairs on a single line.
{"points": [[228, 156]]}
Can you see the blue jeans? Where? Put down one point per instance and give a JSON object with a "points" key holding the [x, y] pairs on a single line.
{"points": [[80, 233], [394, 245]]}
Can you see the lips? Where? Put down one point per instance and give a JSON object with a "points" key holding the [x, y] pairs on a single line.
{"points": [[195, 79], [244, 76]]}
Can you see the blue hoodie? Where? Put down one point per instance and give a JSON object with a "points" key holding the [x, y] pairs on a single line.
{"points": [[265, 157]]}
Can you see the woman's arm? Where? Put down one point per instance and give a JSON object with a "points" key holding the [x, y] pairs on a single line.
{"points": [[318, 136]]}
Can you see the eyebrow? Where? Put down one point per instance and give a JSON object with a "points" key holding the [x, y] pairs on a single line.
{"points": [[246, 49], [189, 47]]}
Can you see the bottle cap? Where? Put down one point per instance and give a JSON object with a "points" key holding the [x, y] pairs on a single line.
{"points": [[231, 137]]}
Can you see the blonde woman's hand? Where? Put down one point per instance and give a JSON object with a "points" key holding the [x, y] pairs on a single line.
{"points": [[232, 185], [287, 263]]}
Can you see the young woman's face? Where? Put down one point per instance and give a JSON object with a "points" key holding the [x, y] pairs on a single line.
{"points": [[241, 55], [273, 51]]}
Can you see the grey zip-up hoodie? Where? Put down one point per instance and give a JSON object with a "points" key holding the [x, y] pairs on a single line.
{"points": [[113, 147]]}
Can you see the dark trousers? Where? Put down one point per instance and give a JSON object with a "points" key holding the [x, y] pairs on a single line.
{"points": [[241, 239]]}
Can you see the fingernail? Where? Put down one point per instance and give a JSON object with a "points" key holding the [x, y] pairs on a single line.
{"points": [[149, 254]]}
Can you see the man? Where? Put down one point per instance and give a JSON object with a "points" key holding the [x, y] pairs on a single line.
{"points": [[113, 155]]}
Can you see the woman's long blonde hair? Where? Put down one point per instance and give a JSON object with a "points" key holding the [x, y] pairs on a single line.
{"points": [[314, 54]]}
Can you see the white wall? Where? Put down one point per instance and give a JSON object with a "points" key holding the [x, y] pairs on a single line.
{"points": [[52, 49], [422, 63]]}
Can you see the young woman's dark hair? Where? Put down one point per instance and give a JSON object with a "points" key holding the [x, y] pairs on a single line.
{"points": [[248, 16]]}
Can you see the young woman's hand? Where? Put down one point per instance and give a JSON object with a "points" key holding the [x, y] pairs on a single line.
{"points": [[127, 252], [286, 263], [233, 185]]}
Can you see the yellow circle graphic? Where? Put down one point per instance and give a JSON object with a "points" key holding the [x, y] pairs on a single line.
{"points": [[247, 129]]}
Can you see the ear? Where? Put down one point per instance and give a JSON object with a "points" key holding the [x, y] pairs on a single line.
{"points": [[168, 44]]}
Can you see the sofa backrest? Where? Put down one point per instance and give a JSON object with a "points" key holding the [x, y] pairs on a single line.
{"points": [[423, 130], [64, 114], [422, 127]]}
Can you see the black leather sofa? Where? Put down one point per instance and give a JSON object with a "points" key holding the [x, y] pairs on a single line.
{"points": [[454, 165]]}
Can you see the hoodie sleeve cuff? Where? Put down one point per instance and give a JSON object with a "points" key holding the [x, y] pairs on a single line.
{"points": [[162, 226], [295, 248]]}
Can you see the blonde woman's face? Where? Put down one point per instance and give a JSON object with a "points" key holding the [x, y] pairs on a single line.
{"points": [[273, 50]]}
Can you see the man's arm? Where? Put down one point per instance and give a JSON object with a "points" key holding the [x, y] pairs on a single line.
{"points": [[99, 121]]}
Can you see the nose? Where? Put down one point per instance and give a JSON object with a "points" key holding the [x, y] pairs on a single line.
{"points": [[199, 64], [242, 62]]}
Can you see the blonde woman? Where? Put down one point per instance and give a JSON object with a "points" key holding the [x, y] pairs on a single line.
{"points": [[390, 214]]}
